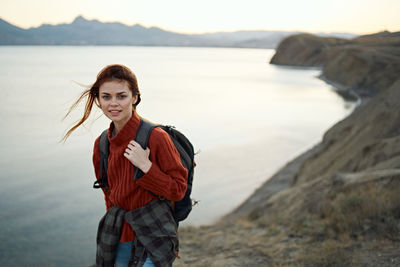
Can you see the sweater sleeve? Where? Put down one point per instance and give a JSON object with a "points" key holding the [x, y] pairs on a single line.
{"points": [[96, 165], [167, 177]]}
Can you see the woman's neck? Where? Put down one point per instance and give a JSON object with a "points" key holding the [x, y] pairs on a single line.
{"points": [[120, 124]]}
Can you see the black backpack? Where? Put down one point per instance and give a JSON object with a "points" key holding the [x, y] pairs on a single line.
{"points": [[185, 148]]}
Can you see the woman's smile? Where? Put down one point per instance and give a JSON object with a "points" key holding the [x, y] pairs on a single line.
{"points": [[115, 113]]}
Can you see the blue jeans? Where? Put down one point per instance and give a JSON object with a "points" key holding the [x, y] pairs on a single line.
{"points": [[123, 254]]}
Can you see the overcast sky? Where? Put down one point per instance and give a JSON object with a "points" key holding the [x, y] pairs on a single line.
{"points": [[187, 16]]}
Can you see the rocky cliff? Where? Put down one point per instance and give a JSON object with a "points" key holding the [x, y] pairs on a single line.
{"points": [[363, 65], [337, 204]]}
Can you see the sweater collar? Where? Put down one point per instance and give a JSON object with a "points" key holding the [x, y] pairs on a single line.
{"points": [[128, 131]]}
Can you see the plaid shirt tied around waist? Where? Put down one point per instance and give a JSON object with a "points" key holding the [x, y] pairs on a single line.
{"points": [[156, 235]]}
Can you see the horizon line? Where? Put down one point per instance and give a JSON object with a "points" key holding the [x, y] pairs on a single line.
{"points": [[198, 32]]}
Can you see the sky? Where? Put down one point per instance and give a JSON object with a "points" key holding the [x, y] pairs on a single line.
{"points": [[189, 16]]}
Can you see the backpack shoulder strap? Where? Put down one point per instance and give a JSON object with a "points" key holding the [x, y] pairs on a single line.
{"points": [[104, 151], [142, 137]]}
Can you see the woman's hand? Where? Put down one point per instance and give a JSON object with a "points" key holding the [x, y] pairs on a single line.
{"points": [[138, 156]]}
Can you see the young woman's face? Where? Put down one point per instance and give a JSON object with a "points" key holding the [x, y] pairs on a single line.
{"points": [[116, 101]]}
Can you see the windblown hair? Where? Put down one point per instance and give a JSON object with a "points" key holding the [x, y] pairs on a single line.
{"points": [[113, 72]]}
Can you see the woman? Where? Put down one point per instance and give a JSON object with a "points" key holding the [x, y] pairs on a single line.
{"points": [[116, 92]]}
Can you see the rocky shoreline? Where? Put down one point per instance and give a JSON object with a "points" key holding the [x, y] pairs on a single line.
{"points": [[337, 204]]}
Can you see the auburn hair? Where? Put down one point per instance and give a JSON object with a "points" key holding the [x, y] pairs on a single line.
{"points": [[115, 72]]}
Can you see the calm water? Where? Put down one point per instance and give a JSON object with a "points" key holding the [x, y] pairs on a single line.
{"points": [[247, 118]]}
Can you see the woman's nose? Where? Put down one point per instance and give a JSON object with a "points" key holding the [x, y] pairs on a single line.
{"points": [[113, 101]]}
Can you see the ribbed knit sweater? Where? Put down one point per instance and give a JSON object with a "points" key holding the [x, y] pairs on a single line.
{"points": [[166, 177]]}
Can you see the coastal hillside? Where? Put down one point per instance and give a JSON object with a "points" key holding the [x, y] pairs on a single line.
{"points": [[337, 204], [363, 65]]}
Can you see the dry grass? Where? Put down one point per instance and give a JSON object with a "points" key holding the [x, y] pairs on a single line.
{"points": [[364, 211], [337, 233], [327, 253], [332, 236]]}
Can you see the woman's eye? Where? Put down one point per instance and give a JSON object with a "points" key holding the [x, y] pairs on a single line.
{"points": [[105, 97], [121, 96]]}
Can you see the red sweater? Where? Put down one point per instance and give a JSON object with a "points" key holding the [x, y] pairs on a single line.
{"points": [[166, 177]]}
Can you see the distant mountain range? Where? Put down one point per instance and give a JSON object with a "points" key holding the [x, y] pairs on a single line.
{"points": [[93, 32]]}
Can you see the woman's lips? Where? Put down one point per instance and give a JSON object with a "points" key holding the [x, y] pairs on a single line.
{"points": [[115, 112]]}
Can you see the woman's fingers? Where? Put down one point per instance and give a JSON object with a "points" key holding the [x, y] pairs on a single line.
{"points": [[134, 143], [135, 148], [138, 156]]}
